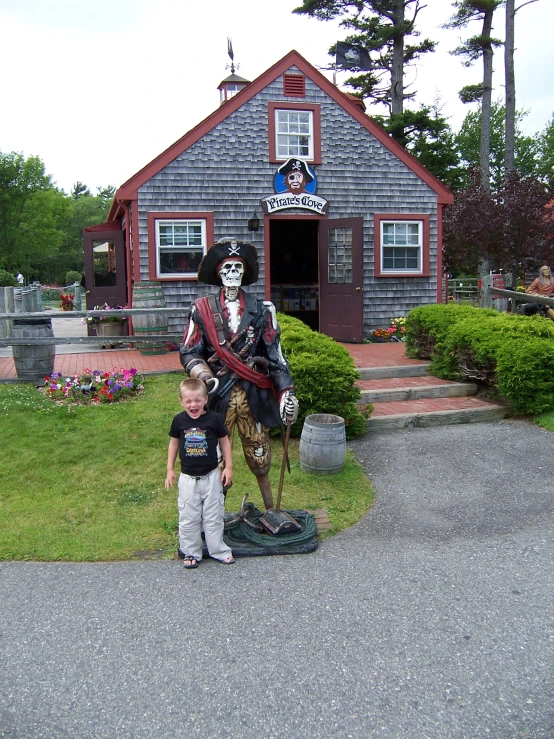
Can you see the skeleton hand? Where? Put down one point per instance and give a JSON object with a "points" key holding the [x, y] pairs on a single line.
{"points": [[288, 407]]}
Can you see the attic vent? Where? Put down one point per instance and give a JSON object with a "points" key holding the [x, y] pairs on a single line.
{"points": [[294, 85]]}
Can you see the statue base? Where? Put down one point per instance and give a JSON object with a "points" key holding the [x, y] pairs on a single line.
{"points": [[247, 537]]}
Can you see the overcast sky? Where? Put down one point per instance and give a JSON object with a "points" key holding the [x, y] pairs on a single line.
{"points": [[98, 88]]}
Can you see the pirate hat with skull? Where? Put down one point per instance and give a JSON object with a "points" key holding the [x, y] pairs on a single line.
{"points": [[228, 248], [296, 165]]}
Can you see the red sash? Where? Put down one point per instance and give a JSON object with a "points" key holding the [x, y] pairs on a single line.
{"points": [[230, 359]]}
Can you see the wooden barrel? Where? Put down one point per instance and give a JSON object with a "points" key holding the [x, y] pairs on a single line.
{"points": [[149, 295], [323, 444], [33, 362]]}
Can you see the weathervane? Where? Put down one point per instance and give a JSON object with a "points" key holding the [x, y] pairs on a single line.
{"points": [[231, 56]]}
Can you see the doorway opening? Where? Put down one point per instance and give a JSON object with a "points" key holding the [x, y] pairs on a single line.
{"points": [[294, 268]]}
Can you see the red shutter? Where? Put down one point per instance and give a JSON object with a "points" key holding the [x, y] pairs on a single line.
{"points": [[294, 85]]}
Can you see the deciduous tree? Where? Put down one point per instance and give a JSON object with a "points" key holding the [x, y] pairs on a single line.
{"points": [[528, 225], [508, 228], [87, 210], [527, 148], [27, 196], [545, 142], [471, 226]]}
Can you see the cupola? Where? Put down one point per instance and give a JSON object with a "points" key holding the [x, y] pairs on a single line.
{"points": [[232, 84], [229, 87]]}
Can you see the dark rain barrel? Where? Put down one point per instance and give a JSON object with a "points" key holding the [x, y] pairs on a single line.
{"points": [[149, 295], [323, 444], [33, 362]]}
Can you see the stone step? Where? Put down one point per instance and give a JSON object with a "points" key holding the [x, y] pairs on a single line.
{"points": [[414, 369], [412, 388], [406, 395], [427, 412]]}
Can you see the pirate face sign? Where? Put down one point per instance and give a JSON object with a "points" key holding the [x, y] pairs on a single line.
{"points": [[295, 181], [231, 272], [296, 177]]}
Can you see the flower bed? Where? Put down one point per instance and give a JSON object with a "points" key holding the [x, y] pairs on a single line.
{"points": [[93, 387], [396, 332]]}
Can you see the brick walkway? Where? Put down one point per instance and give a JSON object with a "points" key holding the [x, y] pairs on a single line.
{"points": [[364, 355], [380, 355]]}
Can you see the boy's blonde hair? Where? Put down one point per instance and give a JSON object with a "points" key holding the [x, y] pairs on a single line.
{"points": [[192, 385]]}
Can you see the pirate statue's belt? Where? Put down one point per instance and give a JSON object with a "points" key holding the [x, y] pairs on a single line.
{"points": [[214, 325]]}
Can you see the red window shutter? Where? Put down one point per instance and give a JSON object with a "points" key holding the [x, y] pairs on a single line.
{"points": [[294, 85]]}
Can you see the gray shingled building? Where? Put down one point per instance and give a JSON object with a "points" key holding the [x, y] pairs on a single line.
{"points": [[347, 224]]}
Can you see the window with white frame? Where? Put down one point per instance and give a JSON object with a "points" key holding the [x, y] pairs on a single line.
{"points": [[340, 255], [401, 246], [294, 132], [180, 245]]}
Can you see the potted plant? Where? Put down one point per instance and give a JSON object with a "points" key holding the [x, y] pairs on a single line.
{"points": [[66, 301], [107, 325]]}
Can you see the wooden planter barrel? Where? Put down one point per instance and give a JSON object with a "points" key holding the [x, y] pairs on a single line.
{"points": [[33, 362], [149, 295], [109, 328], [323, 444]]}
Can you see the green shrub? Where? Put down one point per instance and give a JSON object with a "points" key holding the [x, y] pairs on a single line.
{"points": [[468, 350], [7, 279], [524, 370], [72, 276], [51, 294], [430, 324], [324, 375], [513, 355]]}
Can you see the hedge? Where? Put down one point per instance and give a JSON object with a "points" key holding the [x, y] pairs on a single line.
{"points": [[324, 375], [72, 276], [512, 355], [7, 279], [51, 294]]}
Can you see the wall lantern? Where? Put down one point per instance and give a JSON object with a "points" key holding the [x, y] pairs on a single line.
{"points": [[254, 223]]}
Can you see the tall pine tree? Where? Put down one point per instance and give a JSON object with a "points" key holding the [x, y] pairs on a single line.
{"points": [[477, 47], [386, 30]]}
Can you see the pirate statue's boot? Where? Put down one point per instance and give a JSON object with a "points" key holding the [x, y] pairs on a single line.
{"points": [[265, 490]]}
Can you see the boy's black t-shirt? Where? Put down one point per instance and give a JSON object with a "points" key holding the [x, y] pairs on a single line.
{"points": [[198, 441]]}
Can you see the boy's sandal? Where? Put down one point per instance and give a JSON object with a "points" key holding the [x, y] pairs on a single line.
{"points": [[228, 561], [190, 563]]}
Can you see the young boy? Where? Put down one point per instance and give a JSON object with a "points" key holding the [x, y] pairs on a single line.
{"points": [[195, 435]]}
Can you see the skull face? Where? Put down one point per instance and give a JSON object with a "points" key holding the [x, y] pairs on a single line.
{"points": [[231, 272]]}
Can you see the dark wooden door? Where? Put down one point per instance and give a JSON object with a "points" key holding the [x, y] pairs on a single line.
{"points": [[340, 279], [105, 278]]}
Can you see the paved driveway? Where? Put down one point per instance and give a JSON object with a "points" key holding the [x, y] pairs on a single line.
{"points": [[431, 618]]}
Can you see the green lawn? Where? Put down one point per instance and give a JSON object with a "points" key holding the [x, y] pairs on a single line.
{"points": [[86, 483], [546, 420]]}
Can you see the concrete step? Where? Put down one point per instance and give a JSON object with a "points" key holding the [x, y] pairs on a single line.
{"points": [[413, 388], [427, 412]]}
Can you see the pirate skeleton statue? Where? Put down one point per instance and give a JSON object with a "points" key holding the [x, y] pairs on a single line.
{"points": [[232, 344]]}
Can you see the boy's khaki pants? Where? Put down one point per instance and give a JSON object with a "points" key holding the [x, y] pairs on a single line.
{"points": [[201, 505]]}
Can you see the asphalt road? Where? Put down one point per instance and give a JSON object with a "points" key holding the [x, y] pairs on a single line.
{"points": [[432, 618]]}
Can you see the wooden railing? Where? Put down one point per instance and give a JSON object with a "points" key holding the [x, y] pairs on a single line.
{"points": [[132, 339], [464, 288], [520, 297]]}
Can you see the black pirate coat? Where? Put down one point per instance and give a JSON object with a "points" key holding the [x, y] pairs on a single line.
{"points": [[256, 338]]}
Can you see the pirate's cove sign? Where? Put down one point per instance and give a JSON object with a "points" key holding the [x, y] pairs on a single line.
{"points": [[295, 184]]}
